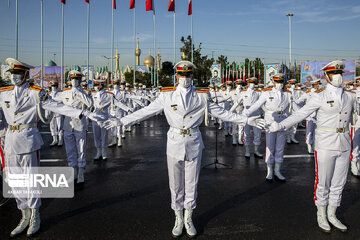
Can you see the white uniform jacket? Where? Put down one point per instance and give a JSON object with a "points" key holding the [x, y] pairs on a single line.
{"points": [[78, 98], [333, 115], [19, 104], [184, 109], [247, 98]]}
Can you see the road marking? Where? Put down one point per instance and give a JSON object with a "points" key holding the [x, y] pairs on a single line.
{"points": [[299, 156], [52, 160]]}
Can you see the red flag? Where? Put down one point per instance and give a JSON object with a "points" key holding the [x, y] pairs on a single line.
{"points": [[63, 1], [87, 1], [132, 4], [149, 5], [190, 8], [114, 4], [171, 6]]}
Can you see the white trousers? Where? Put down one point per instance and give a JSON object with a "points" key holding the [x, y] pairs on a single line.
{"points": [[56, 126], [183, 180], [75, 144], [100, 135], [23, 164], [116, 131], [331, 168], [257, 135], [310, 131], [239, 130], [355, 144], [275, 144]]}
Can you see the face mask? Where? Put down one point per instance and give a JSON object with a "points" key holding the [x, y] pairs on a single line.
{"points": [[53, 89], [278, 86], [116, 87], [74, 82], [97, 88], [228, 88], [185, 82], [251, 85], [292, 86], [337, 80], [16, 79]]}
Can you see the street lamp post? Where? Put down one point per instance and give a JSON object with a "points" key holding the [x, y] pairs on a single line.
{"points": [[290, 15]]}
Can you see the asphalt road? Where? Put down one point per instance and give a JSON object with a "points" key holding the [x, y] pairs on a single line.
{"points": [[127, 197]]}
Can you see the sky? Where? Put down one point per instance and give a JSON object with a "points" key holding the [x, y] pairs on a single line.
{"points": [[321, 30]]}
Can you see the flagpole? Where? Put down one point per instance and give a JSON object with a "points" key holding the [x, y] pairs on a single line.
{"points": [[192, 40], [154, 67], [17, 32], [62, 47], [42, 45], [88, 41], [174, 47], [112, 44], [134, 79]]}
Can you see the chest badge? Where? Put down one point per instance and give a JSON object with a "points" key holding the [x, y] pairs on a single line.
{"points": [[174, 107], [331, 103], [271, 98], [67, 99], [7, 104]]}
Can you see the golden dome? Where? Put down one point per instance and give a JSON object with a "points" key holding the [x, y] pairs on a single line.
{"points": [[149, 60]]}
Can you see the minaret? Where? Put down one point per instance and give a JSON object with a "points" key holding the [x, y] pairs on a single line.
{"points": [[183, 57], [117, 60], [137, 53], [158, 60]]}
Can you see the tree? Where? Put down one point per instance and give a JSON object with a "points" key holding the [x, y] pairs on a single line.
{"points": [[202, 72]]}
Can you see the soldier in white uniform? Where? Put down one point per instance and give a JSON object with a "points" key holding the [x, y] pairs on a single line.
{"points": [[355, 134], [75, 130], [185, 109], [226, 104], [238, 130], [21, 104], [276, 103], [334, 107], [57, 120], [247, 98], [291, 132]]}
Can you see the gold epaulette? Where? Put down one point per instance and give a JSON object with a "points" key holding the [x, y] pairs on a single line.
{"points": [[168, 89], [66, 89], [244, 90], [110, 93], [8, 88], [308, 91], [320, 90], [87, 90], [266, 89], [258, 91], [36, 88], [202, 90], [287, 91]]}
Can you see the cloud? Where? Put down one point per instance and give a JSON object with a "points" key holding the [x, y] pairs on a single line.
{"points": [[356, 9]]}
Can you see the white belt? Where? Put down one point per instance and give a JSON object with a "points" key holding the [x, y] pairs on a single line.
{"points": [[184, 132], [21, 126], [334, 130]]}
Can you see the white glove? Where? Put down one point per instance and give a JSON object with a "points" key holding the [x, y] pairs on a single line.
{"points": [[112, 122], [95, 116], [274, 127], [256, 122]]}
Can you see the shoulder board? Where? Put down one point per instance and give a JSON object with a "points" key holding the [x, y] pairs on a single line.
{"points": [[36, 88], [2, 89], [349, 91], [244, 90], [266, 89], [232, 90], [202, 90], [86, 90], [123, 90], [320, 90], [308, 91], [287, 91], [168, 89], [110, 93], [258, 91], [132, 91], [66, 89]]}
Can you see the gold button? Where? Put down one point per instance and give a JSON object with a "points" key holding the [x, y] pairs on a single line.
{"points": [[345, 112], [190, 116], [183, 127], [22, 114], [14, 121], [15, 114], [190, 135], [340, 120]]}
